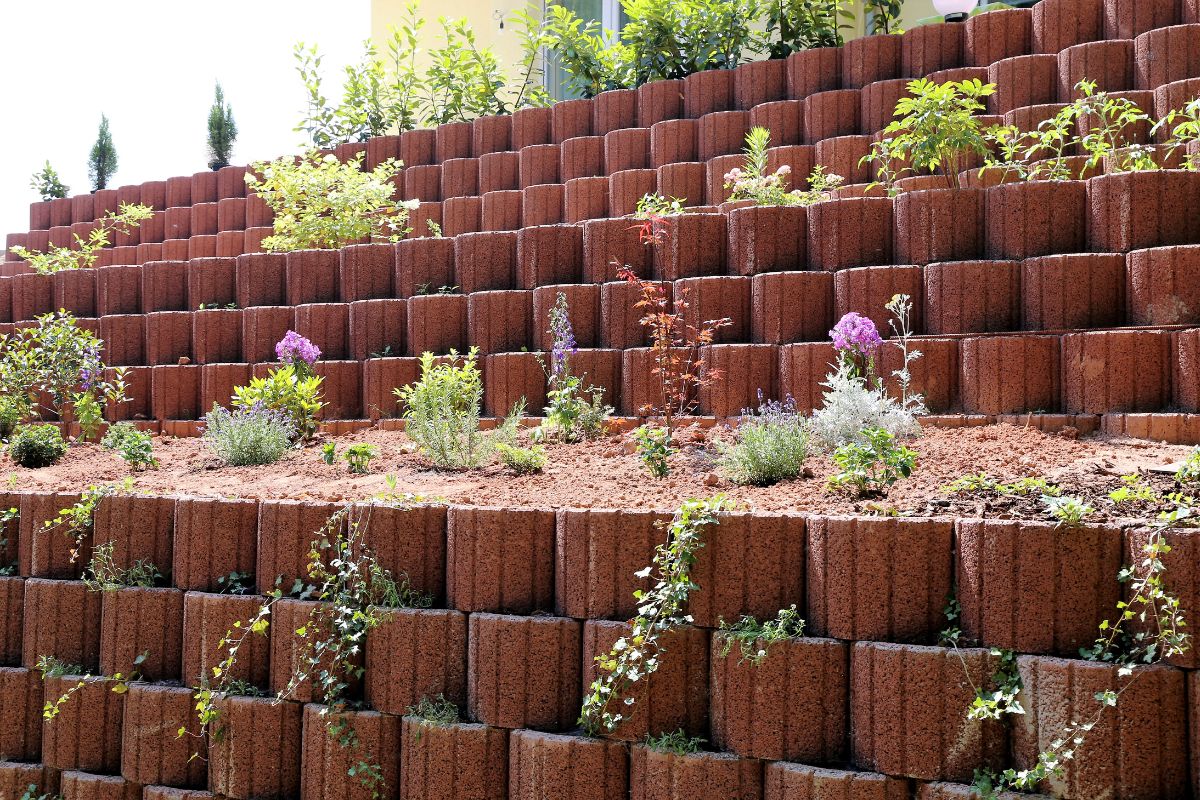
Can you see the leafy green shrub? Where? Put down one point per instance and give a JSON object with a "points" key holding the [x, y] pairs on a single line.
{"points": [[1066, 510], [675, 742], [135, 447], [442, 410], [653, 447], [522, 460], [359, 456], [34, 446], [319, 202], [291, 389], [222, 131], [755, 638], [103, 574], [771, 445], [873, 464], [84, 252], [752, 182], [248, 436], [46, 183], [797, 25]]}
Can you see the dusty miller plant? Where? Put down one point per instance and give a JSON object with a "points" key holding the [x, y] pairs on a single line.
{"points": [[635, 657]]}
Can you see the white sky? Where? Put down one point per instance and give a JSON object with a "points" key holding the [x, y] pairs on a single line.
{"points": [[150, 65]]}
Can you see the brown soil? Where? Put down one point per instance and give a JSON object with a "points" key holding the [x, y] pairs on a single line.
{"points": [[605, 474]]}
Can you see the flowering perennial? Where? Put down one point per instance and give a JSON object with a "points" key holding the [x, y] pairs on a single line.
{"points": [[296, 349]]}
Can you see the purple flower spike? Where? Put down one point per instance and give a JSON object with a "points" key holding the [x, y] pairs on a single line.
{"points": [[295, 349], [856, 333]]}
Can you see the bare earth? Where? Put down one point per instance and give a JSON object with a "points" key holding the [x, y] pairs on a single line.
{"points": [[605, 474]]}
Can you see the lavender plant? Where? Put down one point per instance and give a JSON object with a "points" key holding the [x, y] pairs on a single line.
{"points": [[574, 412], [292, 388], [248, 436], [771, 445]]}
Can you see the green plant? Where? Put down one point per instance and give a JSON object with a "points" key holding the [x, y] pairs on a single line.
{"points": [[797, 25], [653, 447], [36, 446], [660, 609], [76, 521], [871, 466], [222, 131], [1002, 696], [752, 182], [434, 710], [582, 50], [319, 202], [1182, 129], [84, 252], [329, 453], [135, 447], [935, 131], [675, 742], [359, 457], [771, 445], [1189, 470], [235, 583], [290, 388], [522, 460], [250, 436], [442, 410], [882, 15], [570, 415], [31, 793], [46, 183], [102, 160], [51, 667], [1067, 511], [9, 518], [755, 638], [104, 575]]}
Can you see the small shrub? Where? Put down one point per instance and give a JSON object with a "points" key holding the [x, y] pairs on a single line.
{"points": [[249, 436], [103, 574], [436, 710], [290, 389], [135, 447], [755, 638], [222, 131], [1189, 470], [675, 742], [570, 415], [102, 160], [46, 183], [771, 445], [752, 182], [359, 456], [35, 446], [329, 453], [1067, 511], [235, 583], [873, 465], [653, 447], [522, 460]]}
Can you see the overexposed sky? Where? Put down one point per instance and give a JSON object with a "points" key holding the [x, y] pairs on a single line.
{"points": [[151, 65]]}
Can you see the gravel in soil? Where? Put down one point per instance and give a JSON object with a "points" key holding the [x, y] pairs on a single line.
{"points": [[607, 474]]}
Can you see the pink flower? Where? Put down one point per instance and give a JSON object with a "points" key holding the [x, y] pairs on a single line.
{"points": [[857, 333]]}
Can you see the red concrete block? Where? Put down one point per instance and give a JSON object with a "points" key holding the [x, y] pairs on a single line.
{"points": [[582, 199], [1036, 218], [211, 618], [460, 178], [878, 108], [1058, 691], [569, 119], [523, 672], [437, 323], [168, 336], [842, 155], [239, 765], [414, 654], [211, 281], [510, 378], [758, 82], [425, 262], [972, 297], [1109, 64], [231, 214], [138, 622], [1126, 19], [673, 698], [1026, 587], [530, 126], [1058, 24], [707, 91], [791, 307], [659, 100], [1180, 564], [341, 390], [713, 298], [454, 761], [167, 793], [673, 141], [425, 219], [327, 765], [1166, 55], [929, 48], [694, 245], [868, 59], [76, 785], [597, 554], [627, 187], [1129, 211], [785, 781], [453, 140], [1159, 285], [485, 261], [86, 734], [177, 223], [12, 606], [934, 375], [663, 775], [614, 110], [16, 778], [863, 228], [217, 382], [939, 225], [175, 392], [583, 303], [1185, 378], [767, 239], [1005, 374], [291, 655], [204, 187], [124, 338], [262, 328], [791, 705], [544, 203], [501, 211], [628, 148], [570, 767], [118, 291], [380, 377], [500, 560], [498, 171], [748, 373], [861, 609], [620, 317], [365, 271], [608, 245], [490, 134], [581, 157], [549, 254], [164, 286], [539, 164], [685, 181], [327, 325], [462, 215], [783, 118], [204, 219], [377, 327], [20, 707], [198, 247], [216, 335], [75, 291], [721, 133], [831, 113], [499, 322], [149, 757], [1116, 371], [868, 290], [416, 148], [139, 528], [286, 529], [44, 550], [172, 250], [231, 182], [991, 38], [908, 710], [425, 182], [312, 276], [213, 538]]}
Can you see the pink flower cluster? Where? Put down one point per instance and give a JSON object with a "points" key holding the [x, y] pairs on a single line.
{"points": [[295, 349], [856, 333]]}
